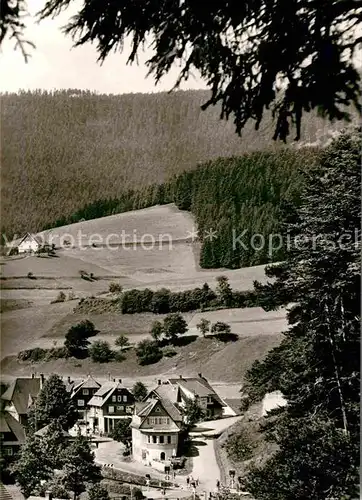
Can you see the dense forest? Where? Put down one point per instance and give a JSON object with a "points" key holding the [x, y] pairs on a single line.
{"points": [[236, 196], [64, 149]]}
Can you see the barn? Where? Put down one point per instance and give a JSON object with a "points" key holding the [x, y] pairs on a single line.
{"points": [[29, 243]]}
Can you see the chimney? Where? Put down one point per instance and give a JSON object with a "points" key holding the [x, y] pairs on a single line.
{"points": [[180, 376], [200, 375], [69, 380], [120, 380], [114, 380], [41, 380], [48, 495], [109, 376], [32, 375], [159, 382]]}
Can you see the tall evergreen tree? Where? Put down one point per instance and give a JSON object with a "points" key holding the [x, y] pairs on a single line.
{"points": [[317, 366]]}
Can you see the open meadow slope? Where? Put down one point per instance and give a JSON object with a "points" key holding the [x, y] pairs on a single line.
{"points": [[29, 319]]}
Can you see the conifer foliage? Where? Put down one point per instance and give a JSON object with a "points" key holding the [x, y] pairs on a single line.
{"points": [[317, 366]]}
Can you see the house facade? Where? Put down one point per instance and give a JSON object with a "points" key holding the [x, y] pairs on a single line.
{"points": [[81, 393], [200, 389], [20, 396], [109, 404], [30, 243], [12, 435], [156, 425]]}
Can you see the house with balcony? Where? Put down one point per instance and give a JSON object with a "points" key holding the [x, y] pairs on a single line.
{"points": [[156, 426], [81, 393], [110, 403]]}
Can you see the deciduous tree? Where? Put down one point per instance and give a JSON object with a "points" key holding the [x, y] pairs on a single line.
{"points": [[53, 404], [139, 391]]}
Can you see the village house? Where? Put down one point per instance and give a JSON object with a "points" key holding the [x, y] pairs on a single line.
{"points": [[81, 393], [12, 434], [21, 395], [200, 389], [30, 243], [109, 404], [156, 425]]}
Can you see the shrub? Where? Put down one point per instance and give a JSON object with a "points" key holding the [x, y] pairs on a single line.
{"points": [[31, 276], [220, 327], [203, 326], [60, 298], [34, 355], [148, 352], [115, 287], [156, 330], [100, 352], [160, 303], [122, 432], [57, 353], [122, 341]]}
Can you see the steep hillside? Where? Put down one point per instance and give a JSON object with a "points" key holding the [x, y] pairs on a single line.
{"points": [[64, 149]]}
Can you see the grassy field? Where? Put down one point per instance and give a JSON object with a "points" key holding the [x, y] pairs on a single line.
{"points": [[29, 320], [218, 361]]}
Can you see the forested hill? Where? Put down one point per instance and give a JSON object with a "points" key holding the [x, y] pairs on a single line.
{"points": [[64, 149]]}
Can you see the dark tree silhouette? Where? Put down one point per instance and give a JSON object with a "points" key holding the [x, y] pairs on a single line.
{"points": [[288, 55]]}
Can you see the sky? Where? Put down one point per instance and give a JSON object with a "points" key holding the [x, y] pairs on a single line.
{"points": [[54, 64]]}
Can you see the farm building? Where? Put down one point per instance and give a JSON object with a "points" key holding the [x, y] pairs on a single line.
{"points": [[30, 243]]}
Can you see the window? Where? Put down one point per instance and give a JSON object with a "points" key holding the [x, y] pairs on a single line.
{"points": [[168, 439], [154, 439], [85, 392], [148, 438], [119, 399], [158, 409], [8, 451], [114, 399], [125, 398], [110, 409], [162, 439], [80, 402], [120, 408], [166, 420]]}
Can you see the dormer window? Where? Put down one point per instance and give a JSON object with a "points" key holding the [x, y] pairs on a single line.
{"points": [[85, 392]]}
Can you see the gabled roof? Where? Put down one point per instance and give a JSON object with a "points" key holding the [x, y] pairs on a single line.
{"points": [[88, 383], [198, 386], [145, 408], [9, 424], [22, 392], [33, 237], [166, 391], [104, 393]]}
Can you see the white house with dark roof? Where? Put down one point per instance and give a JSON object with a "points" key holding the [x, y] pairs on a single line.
{"points": [[110, 403], [156, 425], [29, 243]]}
